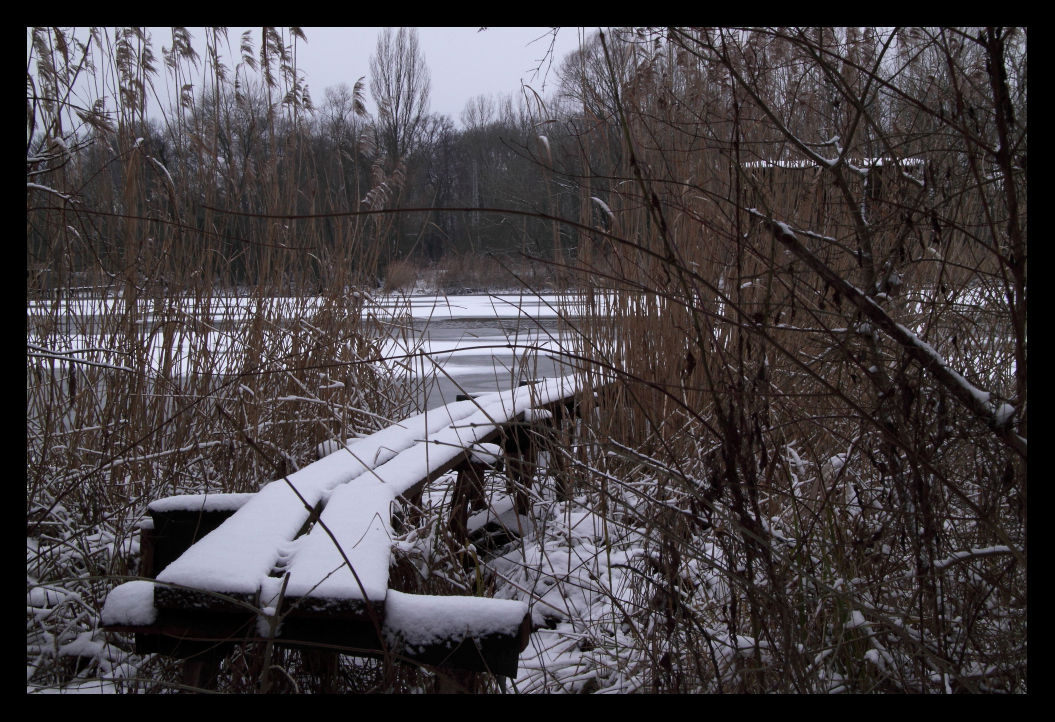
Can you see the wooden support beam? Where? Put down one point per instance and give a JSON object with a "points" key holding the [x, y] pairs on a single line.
{"points": [[468, 488], [206, 636], [558, 468], [201, 673], [521, 462]]}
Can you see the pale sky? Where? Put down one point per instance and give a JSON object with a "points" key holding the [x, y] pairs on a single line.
{"points": [[463, 62]]}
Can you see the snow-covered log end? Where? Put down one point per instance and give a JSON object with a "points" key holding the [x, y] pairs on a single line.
{"points": [[130, 605], [417, 620], [200, 502]]}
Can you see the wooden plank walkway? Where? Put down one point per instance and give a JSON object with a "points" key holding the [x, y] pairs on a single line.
{"points": [[223, 559]]}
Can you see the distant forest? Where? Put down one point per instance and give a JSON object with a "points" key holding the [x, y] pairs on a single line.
{"points": [[251, 139]]}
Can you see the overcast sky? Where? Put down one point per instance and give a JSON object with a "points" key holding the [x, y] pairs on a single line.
{"points": [[463, 62]]}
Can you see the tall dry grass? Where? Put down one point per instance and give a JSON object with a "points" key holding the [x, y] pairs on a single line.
{"points": [[163, 331], [818, 512]]}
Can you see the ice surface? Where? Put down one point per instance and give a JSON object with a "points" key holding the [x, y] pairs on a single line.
{"points": [[444, 308]]}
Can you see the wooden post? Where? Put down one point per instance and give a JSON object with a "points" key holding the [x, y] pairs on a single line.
{"points": [[147, 541], [468, 491], [521, 458]]}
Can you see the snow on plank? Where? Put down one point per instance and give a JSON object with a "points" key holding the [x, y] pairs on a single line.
{"points": [[239, 555], [130, 604], [419, 619], [238, 558], [358, 514]]}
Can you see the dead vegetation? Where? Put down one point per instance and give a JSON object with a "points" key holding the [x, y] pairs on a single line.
{"points": [[817, 504], [781, 492]]}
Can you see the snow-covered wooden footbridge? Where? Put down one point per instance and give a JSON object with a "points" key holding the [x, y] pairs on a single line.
{"points": [[312, 550]]}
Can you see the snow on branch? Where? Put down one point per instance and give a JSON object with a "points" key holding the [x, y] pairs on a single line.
{"points": [[977, 400], [971, 554], [604, 207], [80, 361], [38, 187]]}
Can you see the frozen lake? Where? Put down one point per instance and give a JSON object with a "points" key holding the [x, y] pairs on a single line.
{"points": [[445, 345], [476, 344]]}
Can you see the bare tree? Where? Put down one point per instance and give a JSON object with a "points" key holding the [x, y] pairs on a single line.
{"points": [[399, 83]]}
